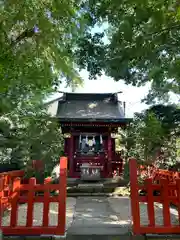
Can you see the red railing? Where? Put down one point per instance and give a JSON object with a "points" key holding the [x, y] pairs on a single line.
{"points": [[31, 198], [171, 176], [164, 188], [157, 173], [6, 186]]}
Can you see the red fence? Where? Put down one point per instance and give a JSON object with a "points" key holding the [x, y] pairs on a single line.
{"points": [[169, 192], [31, 198], [6, 186], [171, 176]]}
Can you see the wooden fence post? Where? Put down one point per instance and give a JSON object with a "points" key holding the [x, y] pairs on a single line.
{"points": [[30, 203], [14, 203], [150, 202], [135, 209], [46, 202], [166, 202], [62, 196], [178, 197], [1, 195]]}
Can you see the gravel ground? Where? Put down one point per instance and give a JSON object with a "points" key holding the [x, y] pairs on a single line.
{"points": [[86, 211], [38, 210], [122, 207], [158, 214]]}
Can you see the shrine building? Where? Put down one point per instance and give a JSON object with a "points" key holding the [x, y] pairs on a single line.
{"points": [[89, 124]]}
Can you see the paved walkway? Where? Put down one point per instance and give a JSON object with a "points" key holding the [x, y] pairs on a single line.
{"points": [[94, 215]]}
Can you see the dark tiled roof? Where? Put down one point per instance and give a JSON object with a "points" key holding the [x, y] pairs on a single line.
{"points": [[76, 106]]}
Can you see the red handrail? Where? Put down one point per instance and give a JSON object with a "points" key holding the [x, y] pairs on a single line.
{"points": [[169, 192], [31, 198]]}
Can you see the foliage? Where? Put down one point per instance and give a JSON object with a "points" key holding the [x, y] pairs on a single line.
{"points": [[152, 136], [36, 39], [34, 135], [141, 45]]}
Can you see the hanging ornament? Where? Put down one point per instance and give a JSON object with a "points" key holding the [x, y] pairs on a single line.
{"points": [[101, 140], [80, 139]]}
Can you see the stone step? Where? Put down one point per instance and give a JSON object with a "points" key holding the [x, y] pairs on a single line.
{"points": [[78, 237], [104, 237], [96, 190], [79, 194], [106, 181], [95, 237]]}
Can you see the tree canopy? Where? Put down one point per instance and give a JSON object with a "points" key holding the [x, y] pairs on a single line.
{"points": [[153, 135], [142, 43], [30, 134], [44, 42], [36, 43]]}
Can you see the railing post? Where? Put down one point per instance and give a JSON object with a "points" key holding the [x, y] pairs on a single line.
{"points": [[62, 197], [135, 209], [1, 196], [46, 203], [165, 202], [150, 202], [178, 197], [30, 203], [14, 204]]}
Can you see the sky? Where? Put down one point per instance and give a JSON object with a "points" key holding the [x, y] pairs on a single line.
{"points": [[131, 95]]}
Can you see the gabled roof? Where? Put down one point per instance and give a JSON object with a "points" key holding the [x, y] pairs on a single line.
{"points": [[90, 107]]}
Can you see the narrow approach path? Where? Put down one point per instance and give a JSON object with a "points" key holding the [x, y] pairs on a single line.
{"points": [[95, 215]]}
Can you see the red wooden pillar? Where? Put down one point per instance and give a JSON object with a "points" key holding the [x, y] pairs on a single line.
{"points": [[109, 167], [71, 156]]}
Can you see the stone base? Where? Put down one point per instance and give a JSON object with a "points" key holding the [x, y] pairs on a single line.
{"points": [[105, 237], [90, 185], [79, 237]]}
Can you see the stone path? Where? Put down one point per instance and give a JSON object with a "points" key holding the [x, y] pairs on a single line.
{"points": [[94, 215]]}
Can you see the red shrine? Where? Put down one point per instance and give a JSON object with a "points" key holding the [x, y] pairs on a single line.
{"points": [[89, 123]]}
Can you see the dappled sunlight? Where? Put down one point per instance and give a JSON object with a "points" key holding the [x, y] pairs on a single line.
{"points": [[98, 212], [92, 105], [158, 208], [38, 214]]}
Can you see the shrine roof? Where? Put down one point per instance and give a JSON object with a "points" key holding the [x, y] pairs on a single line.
{"points": [[90, 107]]}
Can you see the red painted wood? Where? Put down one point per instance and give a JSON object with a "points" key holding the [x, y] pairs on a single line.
{"points": [[38, 165], [14, 202], [135, 210], [6, 183], [150, 202], [46, 203], [30, 199], [109, 160], [62, 196], [31, 231], [71, 156], [30, 203], [178, 197], [17, 173], [166, 197], [165, 201], [109, 164], [159, 230]]}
